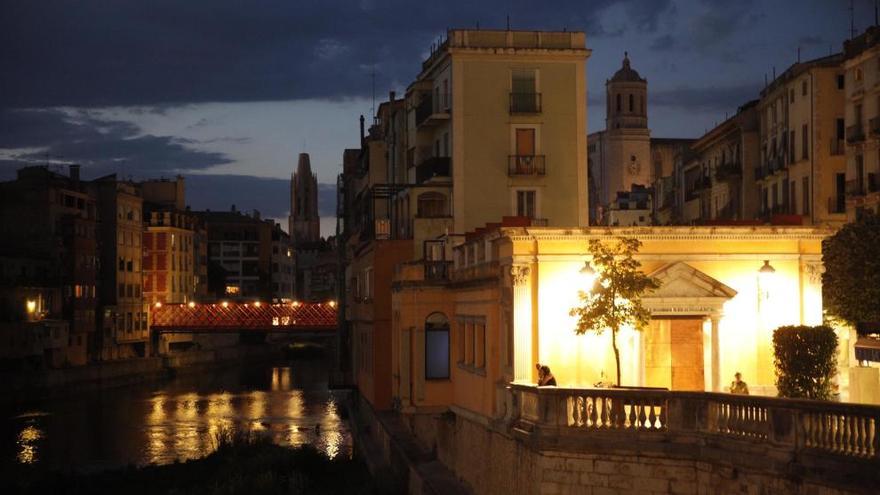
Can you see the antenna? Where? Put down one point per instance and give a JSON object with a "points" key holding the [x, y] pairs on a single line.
{"points": [[852, 19], [508, 22], [876, 14], [373, 82], [799, 54]]}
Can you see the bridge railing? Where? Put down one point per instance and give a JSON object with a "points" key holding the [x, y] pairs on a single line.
{"points": [[243, 316], [828, 429]]}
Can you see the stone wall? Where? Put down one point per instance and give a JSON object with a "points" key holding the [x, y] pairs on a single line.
{"points": [[491, 461]]}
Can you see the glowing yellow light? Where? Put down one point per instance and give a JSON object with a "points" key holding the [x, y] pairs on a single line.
{"points": [[158, 304], [225, 304], [294, 304], [588, 276], [192, 304], [31, 306], [257, 304], [332, 304]]}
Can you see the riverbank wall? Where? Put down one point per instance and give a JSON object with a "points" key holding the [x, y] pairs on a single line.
{"points": [[54, 383]]}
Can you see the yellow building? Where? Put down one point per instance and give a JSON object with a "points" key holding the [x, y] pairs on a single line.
{"points": [[802, 169], [862, 122], [506, 308], [508, 108]]}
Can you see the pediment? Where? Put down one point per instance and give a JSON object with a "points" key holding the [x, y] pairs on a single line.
{"points": [[680, 280]]}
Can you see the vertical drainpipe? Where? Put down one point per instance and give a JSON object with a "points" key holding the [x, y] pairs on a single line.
{"points": [[813, 151]]}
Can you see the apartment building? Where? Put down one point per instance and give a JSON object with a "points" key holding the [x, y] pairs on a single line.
{"points": [[716, 172], [48, 216], [493, 127], [801, 121], [283, 267], [124, 312], [239, 254], [862, 103]]}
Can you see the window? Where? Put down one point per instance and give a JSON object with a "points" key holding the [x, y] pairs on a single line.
{"points": [[431, 205], [840, 81], [525, 204], [858, 74], [480, 344], [445, 144], [791, 152], [368, 283], [436, 347], [618, 102], [121, 290], [805, 192], [793, 193], [523, 91], [804, 87], [791, 96], [805, 141], [632, 103]]}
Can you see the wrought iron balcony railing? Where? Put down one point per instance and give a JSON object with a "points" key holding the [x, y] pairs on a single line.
{"points": [[526, 165], [525, 102]]}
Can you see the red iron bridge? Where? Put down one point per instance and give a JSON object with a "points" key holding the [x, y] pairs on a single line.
{"points": [[232, 317]]}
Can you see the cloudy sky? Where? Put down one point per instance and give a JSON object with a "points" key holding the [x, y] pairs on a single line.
{"points": [[229, 92]]}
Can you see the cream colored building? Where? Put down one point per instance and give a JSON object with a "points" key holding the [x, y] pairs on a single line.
{"points": [[717, 173], [508, 111], [507, 305], [862, 82], [802, 170]]}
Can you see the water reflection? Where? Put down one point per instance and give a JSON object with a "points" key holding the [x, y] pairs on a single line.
{"points": [[184, 418]]}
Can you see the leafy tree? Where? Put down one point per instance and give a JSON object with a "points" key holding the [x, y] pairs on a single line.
{"points": [[851, 282], [805, 360], [615, 300]]}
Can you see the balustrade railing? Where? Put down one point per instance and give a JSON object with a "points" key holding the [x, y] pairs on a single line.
{"points": [[825, 428]]}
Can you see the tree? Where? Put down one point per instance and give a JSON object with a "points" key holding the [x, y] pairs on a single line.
{"points": [[851, 282], [805, 361], [615, 299]]}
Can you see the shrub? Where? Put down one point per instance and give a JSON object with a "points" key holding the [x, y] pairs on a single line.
{"points": [[805, 360]]}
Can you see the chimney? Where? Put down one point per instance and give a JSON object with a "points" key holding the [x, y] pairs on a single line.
{"points": [[74, 174], [256, 214], [362, 131], [232, 209], [391, 95]]}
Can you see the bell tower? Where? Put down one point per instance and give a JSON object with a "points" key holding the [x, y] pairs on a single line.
{"points": [[627, 99]]}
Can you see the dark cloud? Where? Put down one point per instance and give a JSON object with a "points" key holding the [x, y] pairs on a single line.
{"points": [[663, 43], [130, 52], [101, 146], [706, 99]]}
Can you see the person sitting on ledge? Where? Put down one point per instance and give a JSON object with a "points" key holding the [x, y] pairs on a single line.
{"points": [[546, 378], [737, 386]]}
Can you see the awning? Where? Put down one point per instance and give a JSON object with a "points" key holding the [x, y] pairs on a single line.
{"points": [[868, 349]]}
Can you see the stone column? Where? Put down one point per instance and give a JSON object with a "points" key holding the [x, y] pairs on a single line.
{"points": [[522, 323], [716, 354]]}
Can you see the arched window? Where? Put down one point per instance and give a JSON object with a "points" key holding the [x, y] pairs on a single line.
{"points": [[618, 102], [642, 104], [436, 347], [431, 205], [632, 103]]}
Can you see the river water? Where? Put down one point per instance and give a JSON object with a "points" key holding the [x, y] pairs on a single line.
{"points": [[179, 419]]}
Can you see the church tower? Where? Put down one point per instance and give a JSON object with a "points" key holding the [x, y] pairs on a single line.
{"points": [[304, 222], [626, 145], [627, 95]]}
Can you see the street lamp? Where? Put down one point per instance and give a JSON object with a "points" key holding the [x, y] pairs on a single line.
{"points": [[589, 275]]}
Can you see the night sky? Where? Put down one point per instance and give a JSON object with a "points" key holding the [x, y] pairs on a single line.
{"points": [[229, 92]]}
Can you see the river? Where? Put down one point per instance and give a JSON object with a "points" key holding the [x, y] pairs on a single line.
{"points": [[180, 418]]}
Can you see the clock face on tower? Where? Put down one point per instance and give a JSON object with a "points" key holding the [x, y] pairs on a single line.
{"points": [[633, 165]]}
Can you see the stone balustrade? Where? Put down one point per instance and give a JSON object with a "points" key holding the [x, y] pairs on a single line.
{"points": [[792, 429]]}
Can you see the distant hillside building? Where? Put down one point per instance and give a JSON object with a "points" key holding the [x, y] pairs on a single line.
{"points": [[304, 222]]}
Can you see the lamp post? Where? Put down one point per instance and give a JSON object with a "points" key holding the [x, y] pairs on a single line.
{"points": [[589, 275]]}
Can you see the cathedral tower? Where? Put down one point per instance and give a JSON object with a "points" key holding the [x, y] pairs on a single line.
{"points": [[304, 222]]}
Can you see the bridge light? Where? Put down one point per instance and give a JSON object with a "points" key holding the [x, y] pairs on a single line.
{"points": [[332, 304], [257, 304], [192, 304], [225, 304], [158, 304], [31, 306]]}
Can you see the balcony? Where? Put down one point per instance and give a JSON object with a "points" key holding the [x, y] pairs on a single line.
{"points": [[855, 187], [874, 126], [430, 112], [436, 166], [837, 147], [728, 171], [525, 102], [837, 205], [525, 165], [437, 271], [855, 134], [831, 439]]}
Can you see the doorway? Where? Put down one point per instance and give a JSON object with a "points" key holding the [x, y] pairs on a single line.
{"points": [[674, 353]]}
